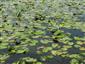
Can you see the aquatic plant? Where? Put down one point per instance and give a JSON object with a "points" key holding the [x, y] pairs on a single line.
{"points": [[42, 32]]}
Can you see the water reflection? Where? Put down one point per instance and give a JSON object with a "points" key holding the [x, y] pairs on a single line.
{"points": [[74, 32], [4, 50], [82, 17]]}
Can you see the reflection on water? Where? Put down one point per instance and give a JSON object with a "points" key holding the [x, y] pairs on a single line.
{"points": [[74, 32], [82, 17]]}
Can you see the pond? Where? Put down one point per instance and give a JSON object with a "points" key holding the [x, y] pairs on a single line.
{"points": [[42, 32]]}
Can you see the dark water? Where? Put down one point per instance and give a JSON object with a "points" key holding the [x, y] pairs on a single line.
{"points": [[56, 59], [82, 17], [74, 32]]}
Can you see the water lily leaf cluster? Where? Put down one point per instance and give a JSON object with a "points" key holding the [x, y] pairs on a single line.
{"points": [[42, 32]]}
